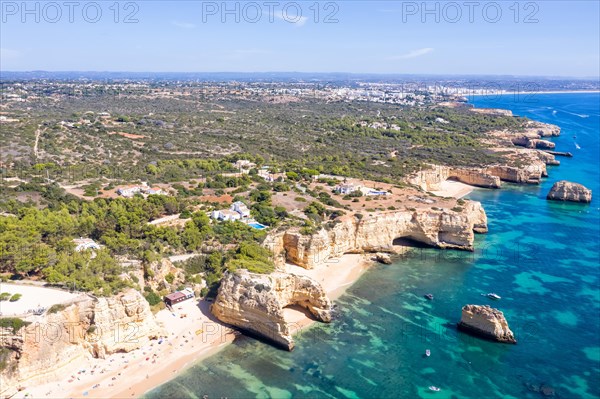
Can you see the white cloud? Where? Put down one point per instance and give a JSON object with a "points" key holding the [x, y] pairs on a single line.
{"points": [[412, 54], [183, 25]]}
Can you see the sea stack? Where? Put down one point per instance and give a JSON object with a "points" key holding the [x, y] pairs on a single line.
{"points": [[486, 322], [568, 191]]}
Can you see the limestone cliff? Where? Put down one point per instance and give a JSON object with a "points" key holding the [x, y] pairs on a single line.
{"points": [[522, 165], [529, 142], [430, 179], [254, 303], [486, 322], [158, 272], [543, 129], [376, 232], [531, 173], [88, 327], [567, 191]]}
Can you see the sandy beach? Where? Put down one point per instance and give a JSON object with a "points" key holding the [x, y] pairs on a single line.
{"points": [[192, 335], [455, 189]]}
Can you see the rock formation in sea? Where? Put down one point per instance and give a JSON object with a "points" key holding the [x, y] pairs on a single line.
{"points": [[486, 322], [568, 191], [376, 232], [254, 303], [65, 335]]}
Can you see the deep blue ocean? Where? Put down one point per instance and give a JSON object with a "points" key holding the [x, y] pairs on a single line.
{"points": [[543, 259]]}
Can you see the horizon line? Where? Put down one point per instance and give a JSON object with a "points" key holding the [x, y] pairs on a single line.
{"points": [[309, 73]]}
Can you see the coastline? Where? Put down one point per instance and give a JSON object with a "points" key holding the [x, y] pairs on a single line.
{"points": [[146, 368], [506, 93]]}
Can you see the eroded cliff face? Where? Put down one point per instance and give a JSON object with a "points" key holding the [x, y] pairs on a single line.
{"points": [[523, 166], [486, 322], [89, 327], [254, 303], [442, 228], [431, 179]]}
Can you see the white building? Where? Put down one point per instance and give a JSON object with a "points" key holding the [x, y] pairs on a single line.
{"points": [[82, 244], [226, 214], [346, 189], [240, 208], [129, 191], [372, 192], [244, 166], [155, 191]]}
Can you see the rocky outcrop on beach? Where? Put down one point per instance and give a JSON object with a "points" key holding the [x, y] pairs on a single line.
{"points": [[486, 322], [376, 232], [254, 303], [66, 335], [568, 191], [383, 258]]}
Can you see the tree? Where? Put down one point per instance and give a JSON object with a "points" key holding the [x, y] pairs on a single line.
{"points": [[192, 237]]}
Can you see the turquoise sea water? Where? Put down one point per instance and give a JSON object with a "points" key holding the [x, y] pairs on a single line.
{"points": [[541, 257]]}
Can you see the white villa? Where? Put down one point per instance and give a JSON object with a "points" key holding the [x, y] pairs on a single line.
{"points": [[226, 214], [346, 189], [243, 165], [130, 191], [155, 191], [372, 192], [83, 244], [238, 210]]}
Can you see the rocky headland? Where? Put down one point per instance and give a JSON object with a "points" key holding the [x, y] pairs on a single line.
{"points": [[486, 322], [568, 191], [66, 334], [376, 232], [255, 303]]}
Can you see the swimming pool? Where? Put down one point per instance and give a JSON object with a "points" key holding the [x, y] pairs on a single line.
{"points": [[257, 225]]}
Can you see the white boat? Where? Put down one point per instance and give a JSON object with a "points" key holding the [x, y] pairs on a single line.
{"points": [[491, 295], [577, 146], [427, 352], [434, 389]]}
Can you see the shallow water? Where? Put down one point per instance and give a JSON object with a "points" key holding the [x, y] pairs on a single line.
{"points": [[541, 257]]}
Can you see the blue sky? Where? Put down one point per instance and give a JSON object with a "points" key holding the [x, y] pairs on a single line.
{"points": [[369, 37]]}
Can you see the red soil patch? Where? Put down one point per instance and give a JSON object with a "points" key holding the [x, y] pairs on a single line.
{"points": [[223, 199]]}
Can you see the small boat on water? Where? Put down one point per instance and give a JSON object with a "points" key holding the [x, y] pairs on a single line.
{"points": [[577, 146], [492, 295], [428, 296], [434, 389], [427, 352]]}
